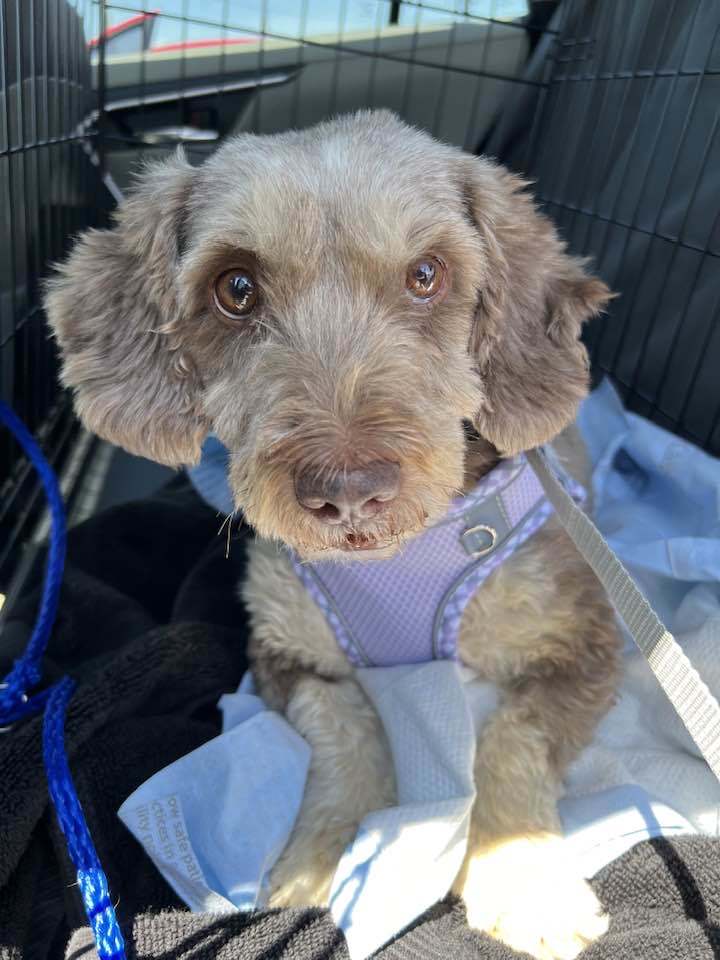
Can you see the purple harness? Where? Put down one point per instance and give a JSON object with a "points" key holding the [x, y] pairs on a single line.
{"points": [[407, 609]]}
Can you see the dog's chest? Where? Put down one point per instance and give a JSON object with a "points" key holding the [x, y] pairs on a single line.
{"points": [[409, 609]]}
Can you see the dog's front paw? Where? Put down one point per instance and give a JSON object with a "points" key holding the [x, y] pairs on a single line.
{"points": [[527, 893], [303, 875]]}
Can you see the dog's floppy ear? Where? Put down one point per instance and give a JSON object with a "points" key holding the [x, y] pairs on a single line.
{"points": [[533, 300], [112, 306]]}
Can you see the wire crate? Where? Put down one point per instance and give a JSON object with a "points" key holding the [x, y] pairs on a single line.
{"points": [[611, 108], [626, 156], [49, 190]]}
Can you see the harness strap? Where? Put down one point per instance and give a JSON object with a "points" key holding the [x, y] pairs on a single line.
{"points": [[407, 608], [694, 703]]}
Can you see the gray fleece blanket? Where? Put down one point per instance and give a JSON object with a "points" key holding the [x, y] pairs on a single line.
{"points": [[153, 637]]}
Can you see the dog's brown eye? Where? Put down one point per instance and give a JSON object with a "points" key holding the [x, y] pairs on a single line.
{"points": [[235, 293], [425, 278]]}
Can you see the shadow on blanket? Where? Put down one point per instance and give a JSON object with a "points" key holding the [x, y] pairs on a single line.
{"points": [[150, 628]]}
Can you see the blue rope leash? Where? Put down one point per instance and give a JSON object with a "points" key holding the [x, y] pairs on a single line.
{"points": [[16, 702], [91, 878], [14, 699]]}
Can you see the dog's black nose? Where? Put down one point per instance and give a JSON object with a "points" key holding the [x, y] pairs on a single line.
{"points": [[351, 495]]}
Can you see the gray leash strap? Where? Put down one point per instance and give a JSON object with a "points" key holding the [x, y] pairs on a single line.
{"points": [[695, 705]]}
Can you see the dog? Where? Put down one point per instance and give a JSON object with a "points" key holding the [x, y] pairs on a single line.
{"points": [[371, 321]]}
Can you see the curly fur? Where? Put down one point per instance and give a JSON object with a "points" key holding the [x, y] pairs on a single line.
{"points": [[339, 368]]}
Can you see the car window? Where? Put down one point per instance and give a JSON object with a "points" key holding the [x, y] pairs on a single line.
{"points": [[410, 13], [191, 21], [127, 41]]}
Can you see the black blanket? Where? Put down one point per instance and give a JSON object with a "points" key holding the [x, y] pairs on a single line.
{"points": [[151, 629]]}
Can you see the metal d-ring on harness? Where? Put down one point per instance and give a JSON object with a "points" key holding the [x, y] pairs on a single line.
{"points": [[17, 703]]}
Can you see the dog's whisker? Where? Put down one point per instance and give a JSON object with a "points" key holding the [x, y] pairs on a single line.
{"points": [[263, 325], [227, 542], [226, 521]]}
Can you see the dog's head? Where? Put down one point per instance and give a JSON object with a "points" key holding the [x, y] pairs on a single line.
{"points": [[334, 304]]}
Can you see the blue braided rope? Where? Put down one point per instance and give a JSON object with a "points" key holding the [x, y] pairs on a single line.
{"points": [[91, 878], [16, 704]]}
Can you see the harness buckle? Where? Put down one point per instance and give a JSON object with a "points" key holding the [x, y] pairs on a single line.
{"points": [[479, 540]]}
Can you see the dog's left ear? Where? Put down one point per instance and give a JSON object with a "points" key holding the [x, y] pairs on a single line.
{"points": [[533, 300], [112, 307]]}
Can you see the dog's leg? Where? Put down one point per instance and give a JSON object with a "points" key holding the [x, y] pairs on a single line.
{"points": [[517, 882], [350, 775]]}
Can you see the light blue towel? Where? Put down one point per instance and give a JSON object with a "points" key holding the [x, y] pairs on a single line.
{"points": [[216, 821]]}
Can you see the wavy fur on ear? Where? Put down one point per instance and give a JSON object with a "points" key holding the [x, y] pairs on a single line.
{"points": [[533, 302], [111, 305]]}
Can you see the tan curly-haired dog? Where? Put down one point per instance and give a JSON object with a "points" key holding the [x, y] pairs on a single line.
{"points": [[337, 305]]}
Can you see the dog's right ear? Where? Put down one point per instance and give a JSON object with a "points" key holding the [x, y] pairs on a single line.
{"points": [[533, 299], [112, 307]]}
